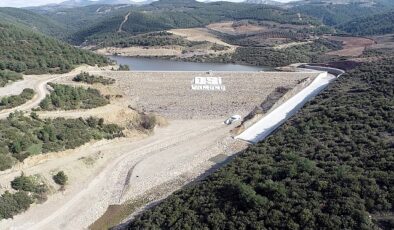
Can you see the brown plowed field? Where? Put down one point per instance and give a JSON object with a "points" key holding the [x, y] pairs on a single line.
{"points": [[352, 46]]}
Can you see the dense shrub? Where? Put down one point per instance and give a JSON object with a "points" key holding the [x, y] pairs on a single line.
{"points": [[92, 79], [124, 67], [60, 178], [122, 40], [14, 203], [7, 76], [23, 136], [68, 97], [29, 184], [269, 56], [282, 57], [16, 100], [29, 190], [148, 121], [372, 25]]}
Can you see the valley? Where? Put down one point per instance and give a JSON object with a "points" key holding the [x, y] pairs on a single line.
{"points": [[182, 122]]}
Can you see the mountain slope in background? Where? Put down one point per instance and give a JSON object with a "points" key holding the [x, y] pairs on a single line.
{"points": [[372, 25], [267, 2], [82, 18], [23, 50], [32, 20], [81, 3], [340, 2], [334, 14], [365, 3], [78, 3], [166, 14]]}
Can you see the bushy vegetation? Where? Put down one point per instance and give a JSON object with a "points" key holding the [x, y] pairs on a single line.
{"points": [[22, 136], [60, 178], [16, 100], [264, 56], [14, 203], [372, 25], [335, 14], [29, 184], [355, 18], [124, 67], [7, 76], [92, 79], [148, 121], [82, 18], [311, 52], [35, 21], [22, 50], [329, 167], [270, 57], [160, 38], [378, 53], [30, 189], [68, 97]]}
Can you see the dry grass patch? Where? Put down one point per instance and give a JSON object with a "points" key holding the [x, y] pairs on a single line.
{"points": [[235, 29], [198, 34]]}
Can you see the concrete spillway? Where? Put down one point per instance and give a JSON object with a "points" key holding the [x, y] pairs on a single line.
{"points": [[265, 126]]}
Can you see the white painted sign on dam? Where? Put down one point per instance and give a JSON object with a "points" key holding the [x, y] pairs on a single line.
{"points": [[208, 83]]}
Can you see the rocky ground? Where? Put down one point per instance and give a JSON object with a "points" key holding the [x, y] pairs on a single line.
{"points": [[170, 94]]}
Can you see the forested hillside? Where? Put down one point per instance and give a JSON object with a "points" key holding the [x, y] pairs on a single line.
{"points": [[266, 56], [334, 14], [329, 167], [81, 18], [32, 20], [372, 25], [22, 50], [93, 22]]}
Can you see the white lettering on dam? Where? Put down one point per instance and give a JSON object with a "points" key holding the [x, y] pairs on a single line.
{"points": [[208, 83]]}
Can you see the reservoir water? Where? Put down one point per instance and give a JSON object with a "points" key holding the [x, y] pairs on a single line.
{"points": [[154, 64]]}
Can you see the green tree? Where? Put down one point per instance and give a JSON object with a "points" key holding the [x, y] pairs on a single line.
{"points": [[60, 178]]}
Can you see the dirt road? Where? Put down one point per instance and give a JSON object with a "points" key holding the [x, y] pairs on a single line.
{"points": [[123, 22], [40, 93], [39, 84], [183, 146]]}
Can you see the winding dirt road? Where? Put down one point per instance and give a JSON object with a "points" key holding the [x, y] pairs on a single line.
{"points": [[39, 86], [40, 93]]}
